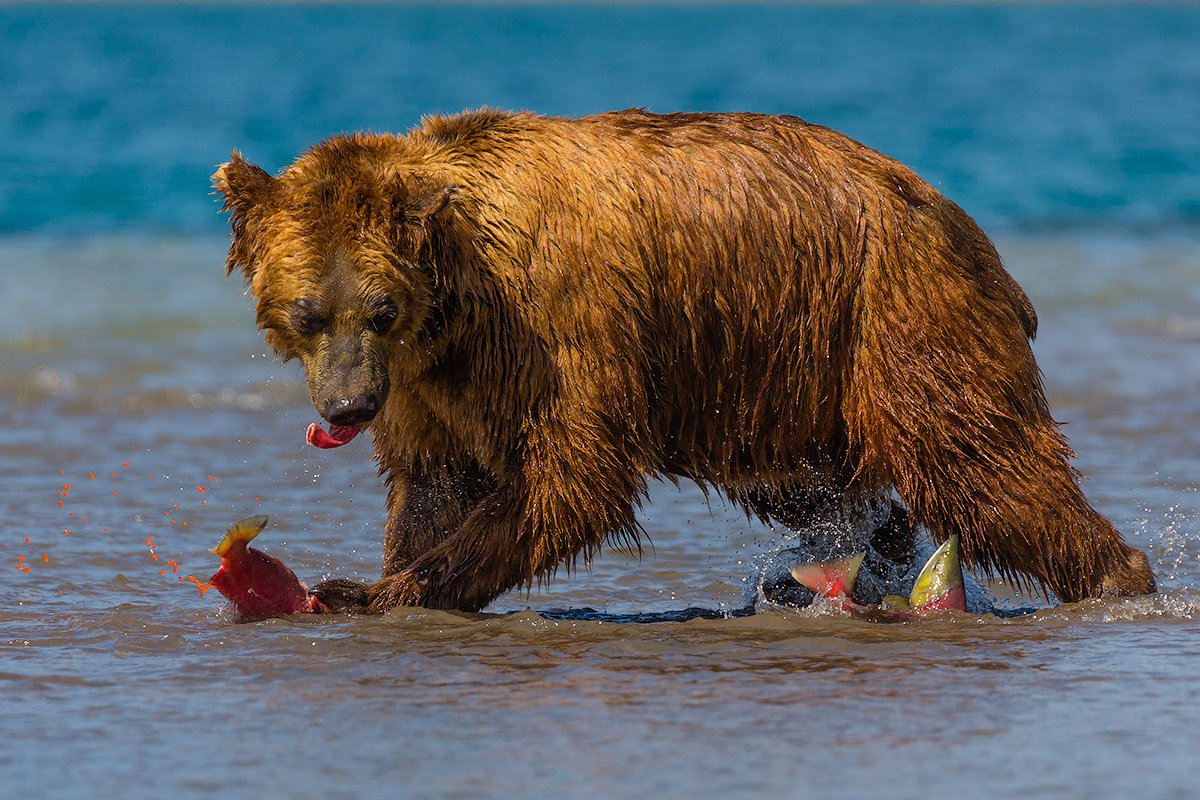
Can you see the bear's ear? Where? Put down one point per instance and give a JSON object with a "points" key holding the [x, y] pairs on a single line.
{"points": [[245, 190], [431, 205], [423, 209]]}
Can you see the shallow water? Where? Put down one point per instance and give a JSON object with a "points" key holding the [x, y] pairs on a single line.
{"points": [[440, 705], [130, 372], [158, 689]]}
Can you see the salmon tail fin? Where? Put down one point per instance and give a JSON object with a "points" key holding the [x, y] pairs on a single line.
{"points": [[241, 531], [941, 579], [829, 578]]}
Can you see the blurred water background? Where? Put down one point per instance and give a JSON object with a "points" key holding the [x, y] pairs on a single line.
{"points": [[131, 373]]}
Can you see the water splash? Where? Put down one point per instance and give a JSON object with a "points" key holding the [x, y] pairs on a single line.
{"points": [[1174, 536]]}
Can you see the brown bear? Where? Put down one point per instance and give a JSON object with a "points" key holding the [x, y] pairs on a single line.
{"points": [[534, 315]]}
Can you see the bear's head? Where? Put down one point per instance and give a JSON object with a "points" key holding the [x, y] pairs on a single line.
{"points": [[340, 253]]}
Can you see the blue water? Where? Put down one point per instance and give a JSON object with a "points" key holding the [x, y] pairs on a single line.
{"points": [[1029, 116], [130, 371]]}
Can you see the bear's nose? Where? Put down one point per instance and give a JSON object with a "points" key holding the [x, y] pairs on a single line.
{"points": [[348, 411]]}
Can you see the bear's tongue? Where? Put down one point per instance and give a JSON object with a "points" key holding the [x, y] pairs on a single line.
{"points": [[338, 435]]}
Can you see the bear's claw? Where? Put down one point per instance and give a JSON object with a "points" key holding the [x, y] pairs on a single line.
{"points": [[401, 589]]}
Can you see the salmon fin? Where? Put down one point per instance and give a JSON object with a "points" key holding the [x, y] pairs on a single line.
{"points": [[241, 531], [829, 578], [939, 578]]}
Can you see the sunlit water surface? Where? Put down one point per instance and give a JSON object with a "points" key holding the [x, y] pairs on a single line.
{"points": [[131, 373], [165, 418]]}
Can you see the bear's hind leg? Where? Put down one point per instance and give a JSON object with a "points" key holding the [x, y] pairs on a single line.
{"points": [[956, 421]]}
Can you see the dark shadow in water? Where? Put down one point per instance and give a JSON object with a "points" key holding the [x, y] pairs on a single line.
{"points": [[1011, 613], [683, 615]]}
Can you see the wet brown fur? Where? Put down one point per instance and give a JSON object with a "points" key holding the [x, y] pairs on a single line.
{"points": [[758, 304]]}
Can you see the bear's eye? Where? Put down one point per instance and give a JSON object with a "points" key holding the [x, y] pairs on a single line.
{"points": [[383, 316], [308, 315]]}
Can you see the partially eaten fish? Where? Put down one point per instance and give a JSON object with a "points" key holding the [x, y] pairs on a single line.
{"points": [[257, 584], [939, 585]]}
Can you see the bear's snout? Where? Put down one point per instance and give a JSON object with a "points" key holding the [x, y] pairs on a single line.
{"points": [[347, 378], [352, 411]]}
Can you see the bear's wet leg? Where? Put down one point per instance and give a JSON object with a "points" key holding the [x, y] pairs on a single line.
{"points": [[894, 538], [425, 507], [987, 462], [1019, 509], [560, 506], [342, 594], [946, 406], [794, 509], [798, 510], [503, 544]]}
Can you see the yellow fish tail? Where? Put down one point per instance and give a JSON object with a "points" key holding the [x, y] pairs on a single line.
{"points": [[241, 531], [941, 572]]}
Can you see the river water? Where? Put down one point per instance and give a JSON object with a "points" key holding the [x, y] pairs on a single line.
{"points": [[142, 415]]}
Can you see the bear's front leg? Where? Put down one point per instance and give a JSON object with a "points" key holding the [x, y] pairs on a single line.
{"points": [[425, 506], [545, 517], [485, 557]]}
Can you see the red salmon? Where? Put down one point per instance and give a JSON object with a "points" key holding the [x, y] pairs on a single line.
{"points": [[257, 584], [939, 585]]}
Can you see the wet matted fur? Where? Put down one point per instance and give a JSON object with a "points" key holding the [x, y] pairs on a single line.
{"points": [[534, 315]]}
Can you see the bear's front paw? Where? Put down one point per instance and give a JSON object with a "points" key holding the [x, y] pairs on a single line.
{"points": [[402, 589], [341, 595]]}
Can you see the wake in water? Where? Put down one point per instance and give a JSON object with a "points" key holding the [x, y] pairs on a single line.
{"points": [[890, 565], [882, 574]]}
